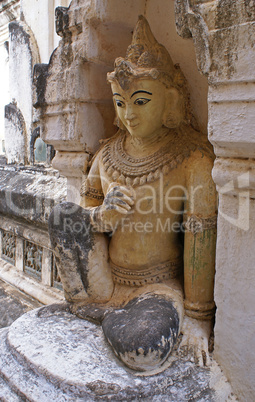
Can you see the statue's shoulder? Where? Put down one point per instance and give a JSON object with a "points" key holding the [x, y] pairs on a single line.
{"points": [[104, 144], [196, 146], [200, 157]]}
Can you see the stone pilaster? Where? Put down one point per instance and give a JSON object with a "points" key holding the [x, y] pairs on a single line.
{"points": [[23, 55], [71, 92], [224, 37]]}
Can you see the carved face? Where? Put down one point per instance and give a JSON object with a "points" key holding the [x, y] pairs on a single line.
{"points": [[141, 107]]}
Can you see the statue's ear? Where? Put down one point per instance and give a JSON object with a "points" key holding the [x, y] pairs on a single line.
{"points": [[117, 122], [174, 113]]}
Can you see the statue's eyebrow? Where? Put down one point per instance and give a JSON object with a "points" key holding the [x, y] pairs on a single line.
{"points": [[116, 93], [139, 92]]}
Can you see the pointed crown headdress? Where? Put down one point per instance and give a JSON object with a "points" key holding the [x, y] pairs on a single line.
{"points": [[146, 58]]}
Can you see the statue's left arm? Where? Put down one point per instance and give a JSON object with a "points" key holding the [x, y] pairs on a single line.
{"points": [[199, 253]]}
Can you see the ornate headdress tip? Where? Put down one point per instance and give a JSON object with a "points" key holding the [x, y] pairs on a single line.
{"points": [[145, 58]]}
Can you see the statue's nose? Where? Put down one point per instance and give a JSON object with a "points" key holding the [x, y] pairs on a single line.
{"points": [[129, 115]]}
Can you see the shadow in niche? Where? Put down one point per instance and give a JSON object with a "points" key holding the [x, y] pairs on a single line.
{"points": [[39, 151]]}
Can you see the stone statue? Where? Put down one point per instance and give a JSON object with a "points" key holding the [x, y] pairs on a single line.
{"points": [[138, 254]]}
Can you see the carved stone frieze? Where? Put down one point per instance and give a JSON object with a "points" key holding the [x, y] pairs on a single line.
{"points": [[33, 259], [8, 245]]}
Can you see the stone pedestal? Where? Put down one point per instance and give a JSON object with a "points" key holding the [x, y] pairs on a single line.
{"points": [[55, 356]]}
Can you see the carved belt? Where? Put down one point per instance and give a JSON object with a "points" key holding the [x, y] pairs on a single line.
{"points": [[196, 224], [141, 277]]}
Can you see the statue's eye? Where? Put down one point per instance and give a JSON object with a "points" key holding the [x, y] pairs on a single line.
{"points": [[141, 101], [119, 103]]}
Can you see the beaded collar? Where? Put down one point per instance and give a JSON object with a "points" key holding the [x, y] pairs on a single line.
{"points": [[125, 169]]}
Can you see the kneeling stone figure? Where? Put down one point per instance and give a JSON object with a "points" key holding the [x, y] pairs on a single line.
{"points": [[138, 254]]}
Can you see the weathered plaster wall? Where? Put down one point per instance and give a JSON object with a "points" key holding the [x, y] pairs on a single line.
{"points": [[4, 85], [40, 17], [224, 35], [235, 297], [9, 11], [30, 40], [23, 55], [161, 17], [16, 134]]}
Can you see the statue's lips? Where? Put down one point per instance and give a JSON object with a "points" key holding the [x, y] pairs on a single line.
{"points": [[132, 125]]}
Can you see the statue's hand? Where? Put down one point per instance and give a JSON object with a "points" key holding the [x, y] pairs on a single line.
{"points": [[117, 204], [195, 340]]}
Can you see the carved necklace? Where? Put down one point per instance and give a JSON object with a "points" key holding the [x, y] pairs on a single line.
{"points": [[125, 169]]}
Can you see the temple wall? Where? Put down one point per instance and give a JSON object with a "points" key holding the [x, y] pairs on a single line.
{"points": [[224, 37], [40, 17], [162, 21], [9, 11], [27, 192], [74, 110], [31, 39], [234, 294], [4, 84]]}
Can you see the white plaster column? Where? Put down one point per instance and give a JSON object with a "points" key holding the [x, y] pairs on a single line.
{"points": [[9, 11], [24, 55], [4, 82], [224, 37], [231, 130], [75, 100], [40, 17]]}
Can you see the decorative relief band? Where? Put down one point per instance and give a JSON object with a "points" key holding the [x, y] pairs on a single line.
{"points": [[196, 224], [137, 171], [91, 192], [158, 273], [200, 311]]}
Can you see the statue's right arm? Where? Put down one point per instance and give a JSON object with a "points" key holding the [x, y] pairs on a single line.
{"points": [[91, 190], [107, 209]]}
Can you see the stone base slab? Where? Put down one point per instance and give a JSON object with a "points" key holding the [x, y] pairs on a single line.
{"points": [[55, 356]]}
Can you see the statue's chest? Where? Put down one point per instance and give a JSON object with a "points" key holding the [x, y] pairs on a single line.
{"points": [[165, 195]]}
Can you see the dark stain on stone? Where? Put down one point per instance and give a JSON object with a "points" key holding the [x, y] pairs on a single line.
{"points": [[226, 14], [62, 21], [249, 10], [224, 46], [18, 33], [72, 236], [92, 312], [40, 75], [17, 199], [52, 309], [14, 115], [13, 198], [230, 13], [103, 388], [141, 324]]}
